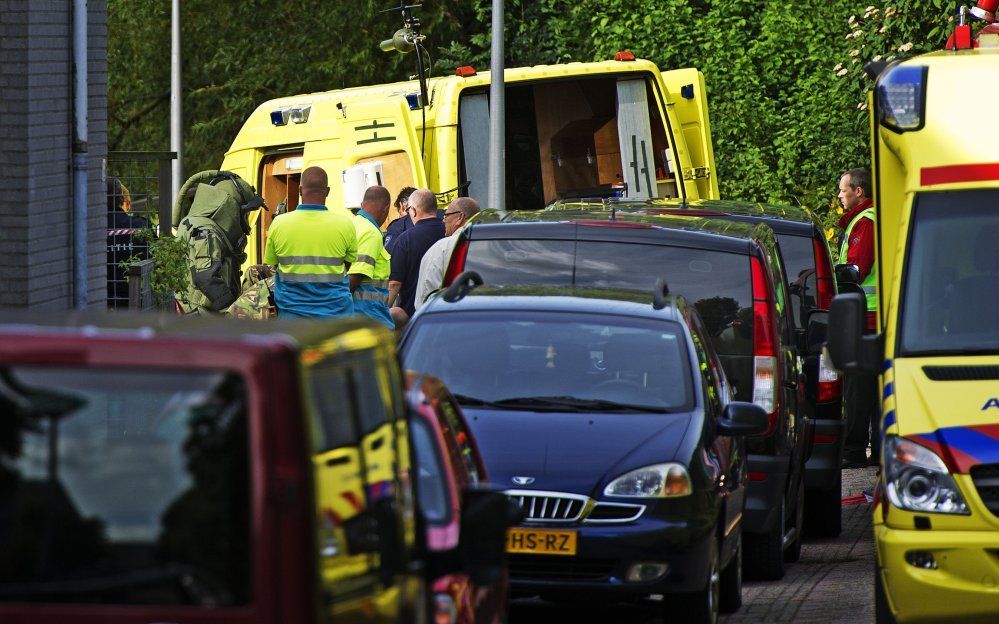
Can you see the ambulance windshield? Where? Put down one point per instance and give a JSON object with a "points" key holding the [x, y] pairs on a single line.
{"points": [[950, 301]]}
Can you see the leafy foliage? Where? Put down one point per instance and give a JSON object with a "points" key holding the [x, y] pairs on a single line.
{"points": [[787, 95], [171, 271]]}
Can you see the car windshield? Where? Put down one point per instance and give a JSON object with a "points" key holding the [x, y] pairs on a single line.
{"points": [[717, 283], [554, 361], [123, 486], [950, 302]]}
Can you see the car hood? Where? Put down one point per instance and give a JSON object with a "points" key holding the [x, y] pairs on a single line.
{"points": [[572, 452]]}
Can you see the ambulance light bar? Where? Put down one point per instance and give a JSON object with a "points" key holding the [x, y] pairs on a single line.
{"points": [[902, 98], [294, 114]]}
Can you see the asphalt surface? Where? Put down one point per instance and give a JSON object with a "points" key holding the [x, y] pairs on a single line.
{"points": [[832, 583]]}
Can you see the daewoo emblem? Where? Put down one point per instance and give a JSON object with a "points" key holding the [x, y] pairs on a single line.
{"points": [[523, 480]]}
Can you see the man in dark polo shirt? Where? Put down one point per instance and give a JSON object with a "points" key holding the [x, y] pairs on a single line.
{"points": [[408, 251]]}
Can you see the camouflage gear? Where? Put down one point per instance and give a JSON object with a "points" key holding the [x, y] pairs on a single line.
{"points": [[255, 301], [211, 218]]}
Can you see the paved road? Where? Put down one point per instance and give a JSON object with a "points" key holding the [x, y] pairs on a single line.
{"points": [[831, 584]]}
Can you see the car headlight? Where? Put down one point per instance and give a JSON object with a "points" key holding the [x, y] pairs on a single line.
{"points": [[917, 479], [656, 481]]}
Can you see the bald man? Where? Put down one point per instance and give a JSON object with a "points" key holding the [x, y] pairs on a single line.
{"points": [[407, 253], [311, 248], [435, 261], [369, 275]]}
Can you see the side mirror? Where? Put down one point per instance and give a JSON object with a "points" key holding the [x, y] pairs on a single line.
{"points": [[850, 350], [847, 274], [485, 517], [816, 330], [743, 419]]}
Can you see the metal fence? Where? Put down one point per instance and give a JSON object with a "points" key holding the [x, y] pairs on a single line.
{"points": [[138, 209]]}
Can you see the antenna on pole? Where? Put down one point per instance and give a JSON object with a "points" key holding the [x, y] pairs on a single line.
{"points": [[497, 114], [407, 39]]}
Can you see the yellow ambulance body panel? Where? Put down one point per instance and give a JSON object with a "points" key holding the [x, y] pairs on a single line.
{"points": [[568, 130], [936, 174]]}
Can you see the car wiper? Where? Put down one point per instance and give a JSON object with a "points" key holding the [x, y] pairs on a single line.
{"points": [[471, 401], [580, 405]]}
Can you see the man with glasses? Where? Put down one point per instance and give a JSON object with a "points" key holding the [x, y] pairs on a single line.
{"points": [[435, 261], [408, 251]]}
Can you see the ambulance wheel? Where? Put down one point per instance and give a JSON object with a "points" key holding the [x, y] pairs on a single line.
{"points": [[824, 510], [882, 612], [765, 551]]}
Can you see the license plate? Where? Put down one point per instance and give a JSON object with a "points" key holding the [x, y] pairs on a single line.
{"points": [[541, 541]]}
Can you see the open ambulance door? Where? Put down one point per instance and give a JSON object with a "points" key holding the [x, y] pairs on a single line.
{"points": [[690, 104], [378, 144]]}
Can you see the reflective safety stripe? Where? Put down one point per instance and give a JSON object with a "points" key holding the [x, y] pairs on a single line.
{"points": [[870, 290], [370, 295], [310, 277], [313, 260], [365, 259], [378, 284]]}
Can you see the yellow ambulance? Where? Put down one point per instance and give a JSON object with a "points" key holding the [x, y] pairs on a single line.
{"points": [[936, 173], [610, 128]]}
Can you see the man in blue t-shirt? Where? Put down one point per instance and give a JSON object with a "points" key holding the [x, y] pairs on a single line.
{"points": [[408, 251]]}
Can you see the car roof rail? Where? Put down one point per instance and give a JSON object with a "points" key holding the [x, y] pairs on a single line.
{"points": [[659, 294], [462, 285]]}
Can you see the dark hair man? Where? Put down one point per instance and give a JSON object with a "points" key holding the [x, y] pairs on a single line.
{"points": [[370, 272], [403, 222], [311, 247]]}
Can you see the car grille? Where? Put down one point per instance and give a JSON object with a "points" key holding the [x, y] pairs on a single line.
{"points": [[563, 568], [986, 480], [554, 507], [614, 512]]}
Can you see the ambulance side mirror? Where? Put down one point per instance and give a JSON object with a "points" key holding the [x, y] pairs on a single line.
{"points": [[849, 348]]}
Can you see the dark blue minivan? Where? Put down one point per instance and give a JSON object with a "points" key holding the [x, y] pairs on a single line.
{"points": [[607, 416]]}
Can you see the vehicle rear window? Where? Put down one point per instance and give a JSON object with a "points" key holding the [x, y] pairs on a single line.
{"points": [[124, 487], [798, 255], [951, 283], [501, 357], [717, 283]]}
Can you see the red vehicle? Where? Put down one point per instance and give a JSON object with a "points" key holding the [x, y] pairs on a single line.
{"points": [[448, 463], [213, 471]]}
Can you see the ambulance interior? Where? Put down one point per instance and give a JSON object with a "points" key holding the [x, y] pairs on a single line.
{"points": [[280, 177], [564, 140]]}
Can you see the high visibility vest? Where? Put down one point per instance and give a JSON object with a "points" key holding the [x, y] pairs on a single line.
{"points": [[870, 282], [311, 245]]}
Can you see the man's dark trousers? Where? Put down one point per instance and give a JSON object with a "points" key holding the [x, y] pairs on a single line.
{"points": [[860, 396]]}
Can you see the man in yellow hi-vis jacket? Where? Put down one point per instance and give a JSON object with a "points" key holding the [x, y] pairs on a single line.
{"points": [[370, 272], [312, 248]]}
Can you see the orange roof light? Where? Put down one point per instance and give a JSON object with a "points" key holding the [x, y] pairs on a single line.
{"points": [[624, 55], [465, 71]]}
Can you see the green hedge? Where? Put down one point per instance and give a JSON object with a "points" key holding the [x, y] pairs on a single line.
{"points": [[786, 92]]}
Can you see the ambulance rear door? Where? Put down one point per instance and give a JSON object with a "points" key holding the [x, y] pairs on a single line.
{"points": [[378, 145], [690, 105]]}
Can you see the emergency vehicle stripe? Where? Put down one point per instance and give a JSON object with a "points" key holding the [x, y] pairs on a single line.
{"points": [[313, 260], [889, 389], [959, 173], [963, 447], [887, 365], [888, 421], [310, 277]]}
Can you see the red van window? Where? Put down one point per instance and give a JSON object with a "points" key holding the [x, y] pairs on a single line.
{"points": [[124, 487]]}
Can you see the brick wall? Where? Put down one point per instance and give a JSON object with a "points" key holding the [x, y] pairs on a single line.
{"points": [[36, 132]]}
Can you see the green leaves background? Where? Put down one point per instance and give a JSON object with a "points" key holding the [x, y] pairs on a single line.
{"points": [[784, 122]]}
